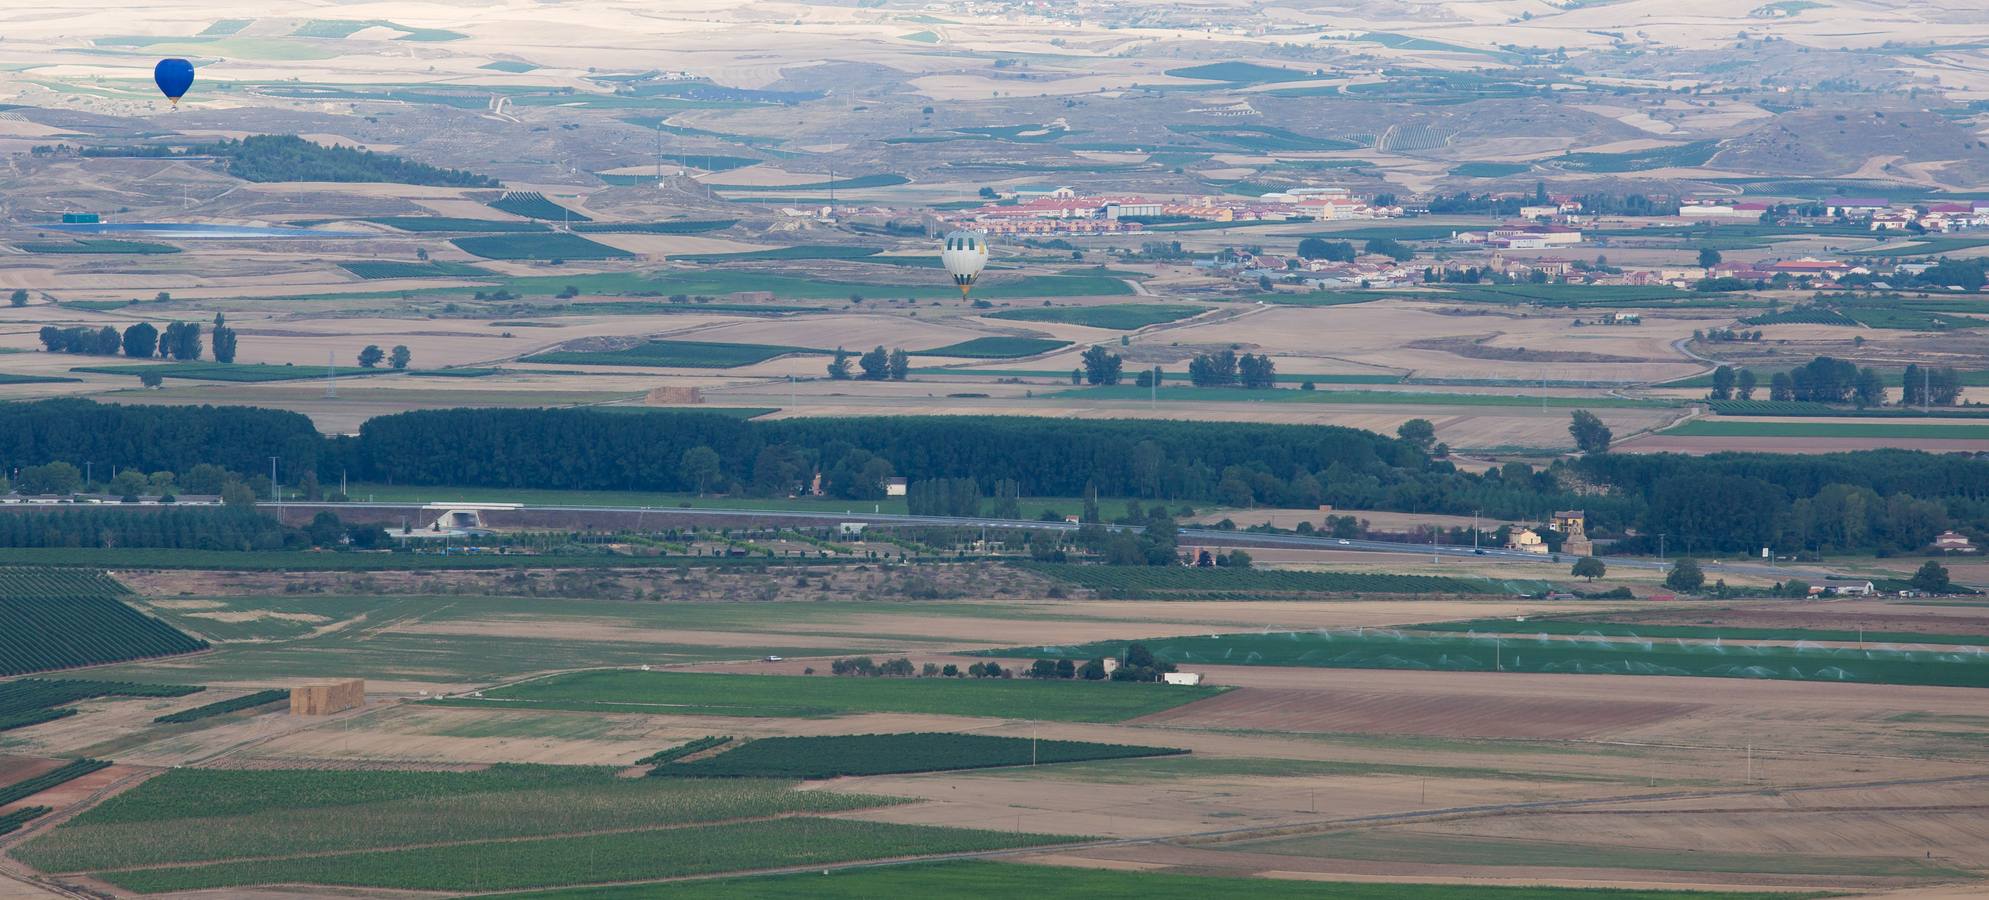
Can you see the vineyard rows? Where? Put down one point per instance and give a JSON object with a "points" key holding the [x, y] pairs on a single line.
{"points": [[836, 756], [22, 790], [42, 583], [39, 635], [30, 701], [223, 707]]}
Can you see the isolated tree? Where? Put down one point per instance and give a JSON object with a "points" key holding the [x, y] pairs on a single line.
{"points": [[237, 495], [839, 367], [1708, 257], [1932, 578], [1418, 433], [876, 365], [901, 364], [17, 298], [1744, 382], [1331, 251], [371, 356], [141, 341], [1685, 576], [150, 379], [1237, 559], [224, 340], [53, 478], [1590, 568], [1102, 366], [1591, 436], [400, 357], [1723, 381]]}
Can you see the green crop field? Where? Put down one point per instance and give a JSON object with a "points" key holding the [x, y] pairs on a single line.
{"points": [[556, 245], [31, 701], [592, 859], [698, 693], [1899, 431], [62, 618], [996, 348], [1696, 153], [234, 372], [1375, 649], [12, 378], [674, 354], [534, 205], [1120, 316], [383, 268], [977, 879], [1489, 169], [30, 583], [1606, 629], [137, 248], [447, 223], [1569, 295], [509, 66], [1808, 409], [836, 756], [1180, 582], [1183, 394], [203, 815], [1239, 73]]}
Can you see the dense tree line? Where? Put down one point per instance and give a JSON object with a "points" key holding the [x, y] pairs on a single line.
{"points": [[175, 439], [188, 528]]}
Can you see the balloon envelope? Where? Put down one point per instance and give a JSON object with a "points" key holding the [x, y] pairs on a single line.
{"points": [[173, 76], [965, 255]]}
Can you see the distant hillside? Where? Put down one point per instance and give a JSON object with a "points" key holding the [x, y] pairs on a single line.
{"points": [[287, 157]]}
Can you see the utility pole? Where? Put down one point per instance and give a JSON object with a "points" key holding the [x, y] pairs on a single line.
{"points": [[1660, 547], [275, 488], [331, 377]]}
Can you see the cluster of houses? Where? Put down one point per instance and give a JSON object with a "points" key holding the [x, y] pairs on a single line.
{"points": [[1370, 270], [1061, 210], [1877, 213]]}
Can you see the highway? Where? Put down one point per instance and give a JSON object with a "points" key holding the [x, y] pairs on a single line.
{"points": [[1713, 567]]}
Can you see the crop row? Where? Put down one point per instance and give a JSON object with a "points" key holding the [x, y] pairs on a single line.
{"points": [[39, 635], [672, 754], [33, 700], [12, 821], [835, 756], [21, 790], [223, 707], [534, 205]]}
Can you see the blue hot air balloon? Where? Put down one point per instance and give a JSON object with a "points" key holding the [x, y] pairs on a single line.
{"points": [[173, 76]]}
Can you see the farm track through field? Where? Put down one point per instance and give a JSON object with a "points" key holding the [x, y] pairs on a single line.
{"points": [[13, 870], [1324, 825]]}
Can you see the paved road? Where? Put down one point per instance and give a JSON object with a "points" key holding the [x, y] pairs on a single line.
{"points": [[1714, 568]]}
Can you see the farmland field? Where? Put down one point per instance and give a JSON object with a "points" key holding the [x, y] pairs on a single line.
{"points": [[31, 701], [446, 223], [1701, 632], [674, 226], [534, 205], [21, 790], [802, 251], [135, 248], [11, 378], [965, 879], [1120, 317], [382, 268], [674, 354], [1181, 582], [1893, 430], [58, 619], [628, 856], [996, 348], [1628, 656], [220, 814], [836, 756], [234, 372], [860, 181], [700, 693], [1385, 398], [557, 245], [27, 582]]}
